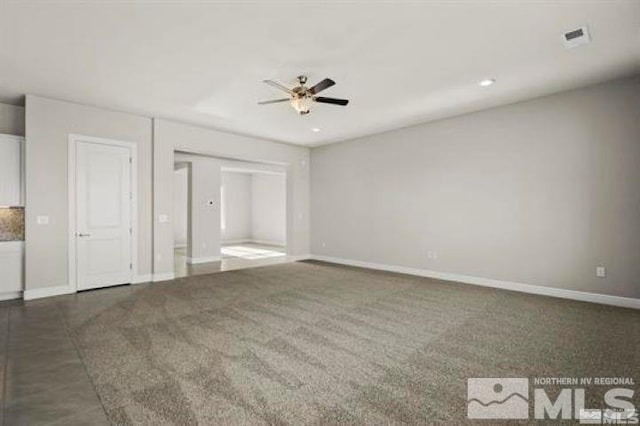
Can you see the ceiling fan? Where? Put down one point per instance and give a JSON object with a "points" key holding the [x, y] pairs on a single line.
{"points": [[302, 96]]}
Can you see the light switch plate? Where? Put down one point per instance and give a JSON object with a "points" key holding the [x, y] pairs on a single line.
{"points": [[43, 220], [163, 218], [601, 271]]}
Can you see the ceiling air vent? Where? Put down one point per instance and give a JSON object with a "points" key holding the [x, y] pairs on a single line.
{"points": [[575, 38]]}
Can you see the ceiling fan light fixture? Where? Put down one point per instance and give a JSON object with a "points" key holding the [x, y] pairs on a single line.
{"points": [[487, 82], [302, 104], [301, 97]]}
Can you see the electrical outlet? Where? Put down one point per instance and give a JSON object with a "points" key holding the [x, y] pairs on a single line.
{"points": [[324, 244], [43, 220], [601, 271], [163, 218], [432, 255]]}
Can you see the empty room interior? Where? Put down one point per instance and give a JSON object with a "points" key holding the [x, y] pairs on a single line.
{"points": [[319, 213]]}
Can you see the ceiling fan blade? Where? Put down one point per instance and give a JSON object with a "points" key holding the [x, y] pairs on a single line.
{"points": [[273, 101], [278, 86], [324, 84], [332, 101]]}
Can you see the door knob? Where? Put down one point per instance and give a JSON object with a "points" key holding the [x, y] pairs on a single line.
{"points": [[80, 234]]}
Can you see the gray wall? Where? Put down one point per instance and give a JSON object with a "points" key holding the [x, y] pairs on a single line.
{"points": [[255, 207], [204, 227], [237, 206], [48, 125], [539, 192], [11, 119], [269, 208]]}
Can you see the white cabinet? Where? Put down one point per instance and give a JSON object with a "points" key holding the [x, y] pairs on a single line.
{"points": [[11, 170], [11, 269]]}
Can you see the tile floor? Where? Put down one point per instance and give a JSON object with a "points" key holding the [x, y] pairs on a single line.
{"points": [[236, 256], [45, 380]]}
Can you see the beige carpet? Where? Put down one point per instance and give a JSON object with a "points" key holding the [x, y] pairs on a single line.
{"points": [[313, 343]]}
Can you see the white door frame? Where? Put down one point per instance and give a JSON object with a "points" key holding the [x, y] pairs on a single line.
{"points": [[133, 150]]}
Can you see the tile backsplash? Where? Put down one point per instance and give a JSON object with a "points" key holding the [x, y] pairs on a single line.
{"points": [[12, 224]]}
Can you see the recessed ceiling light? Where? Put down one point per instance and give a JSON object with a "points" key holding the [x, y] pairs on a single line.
{"points": [[315, 130], [487, 82]]}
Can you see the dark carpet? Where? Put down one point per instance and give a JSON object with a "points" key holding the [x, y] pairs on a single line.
{"points": [[313, 343]]}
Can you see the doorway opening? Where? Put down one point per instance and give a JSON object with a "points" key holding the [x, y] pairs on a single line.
{"points": [[227, 214]]}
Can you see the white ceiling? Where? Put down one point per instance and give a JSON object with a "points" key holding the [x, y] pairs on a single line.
{"points": [[399, 63]]}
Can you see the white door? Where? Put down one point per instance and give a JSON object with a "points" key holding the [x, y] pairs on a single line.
{"points": [[103, 215]]}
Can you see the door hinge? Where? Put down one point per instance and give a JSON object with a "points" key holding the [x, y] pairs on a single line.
{"points": [[130, 231], [131, 266], [130, 160]]}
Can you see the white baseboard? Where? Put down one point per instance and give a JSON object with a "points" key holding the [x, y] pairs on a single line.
{"points": [[196, 260], [269, 243], [11, 295], [142, 279], [251, 241], [163, 277], [39, 293], [243, 241], [605, 299], [299, 257]]}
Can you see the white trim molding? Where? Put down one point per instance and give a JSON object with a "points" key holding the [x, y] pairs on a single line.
{"points": [[196, 260], [39, 293], [269, 243], [252, 241], [299, 257], [139, 279], [10, 295], [229, 242], [167, 276], [583, 296]]}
